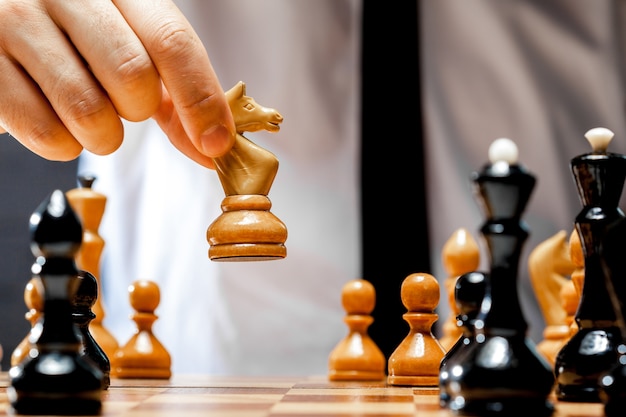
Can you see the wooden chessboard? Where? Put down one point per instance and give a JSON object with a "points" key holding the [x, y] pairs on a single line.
{"points": [[187, 395]]}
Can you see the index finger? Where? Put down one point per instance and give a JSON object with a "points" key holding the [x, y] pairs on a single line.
{"points": [[186, 71]]}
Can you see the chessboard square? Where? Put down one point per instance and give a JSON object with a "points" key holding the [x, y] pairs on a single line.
{"points": [[131, 394], [250, 391], [575, 409], [206, 403], [192, 411], [348, 398], [5, 407], [116, 400], [426, 396], [357, 391], [212, 398], [350, 408], [118, 407], [222, 382]]}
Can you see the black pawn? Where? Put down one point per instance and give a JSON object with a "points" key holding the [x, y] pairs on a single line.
{"points": [[502, 373], [56, 378], [469, 292], [593, 350], [84, 299]]}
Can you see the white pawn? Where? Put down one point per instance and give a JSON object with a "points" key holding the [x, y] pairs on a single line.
{"points": [[143, 356], [33, 298], [459, 255], [416, 360], [357, 357]]}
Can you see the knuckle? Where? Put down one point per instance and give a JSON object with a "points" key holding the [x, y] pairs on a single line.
{"points": [[50, 143], [172, 40], [136, 91], [84, 107], [12, 10], [134, 70], [86, 114], [173, 44], [198, 103]]}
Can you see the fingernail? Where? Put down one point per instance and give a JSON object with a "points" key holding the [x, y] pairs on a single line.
{"points": [[216, 141]]}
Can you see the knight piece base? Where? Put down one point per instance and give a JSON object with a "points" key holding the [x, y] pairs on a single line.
{"points": [[246, 231]]}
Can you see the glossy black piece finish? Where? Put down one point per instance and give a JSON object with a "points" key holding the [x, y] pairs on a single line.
{"points": [[84, 299], [592, 351], [85, 180], [613, 383], [469, 291], [56, 378], [502, 374]]}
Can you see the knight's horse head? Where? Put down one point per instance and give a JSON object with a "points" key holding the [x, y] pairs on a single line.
{"points": [[250, 116]]}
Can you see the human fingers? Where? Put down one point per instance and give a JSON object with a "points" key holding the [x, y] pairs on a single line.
{"points": [[170, 123], [113, 52], [52, 79], [197, 97], [30, 119]]}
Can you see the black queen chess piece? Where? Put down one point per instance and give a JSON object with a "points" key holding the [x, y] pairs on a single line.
{"points": [[502, 373], [599, 176], [56, 378], [613, 382]]}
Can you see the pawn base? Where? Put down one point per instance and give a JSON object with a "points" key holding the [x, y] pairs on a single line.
{"points": [[504, 407], [43, 404], [588, 355], [415, 381], [37, 387], [141, 373], [589, 393], [615, 407], [355, 375], [613, 390]]}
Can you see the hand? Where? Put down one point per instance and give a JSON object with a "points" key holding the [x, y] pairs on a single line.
{"points": [[71, 69]]}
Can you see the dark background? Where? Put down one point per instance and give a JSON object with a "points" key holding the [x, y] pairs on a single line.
{"points": [[395, 227]]}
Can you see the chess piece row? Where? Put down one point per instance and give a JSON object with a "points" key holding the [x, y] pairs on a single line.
{"points": [[151, 360], [415, 361], [490, 367], [64, 301], [59, 368]]}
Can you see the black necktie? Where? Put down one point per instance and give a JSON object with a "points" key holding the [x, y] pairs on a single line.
{"points": [[393, 195]]}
